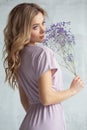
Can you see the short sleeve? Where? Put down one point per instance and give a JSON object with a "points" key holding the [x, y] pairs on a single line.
{"points": [[45, 62]]}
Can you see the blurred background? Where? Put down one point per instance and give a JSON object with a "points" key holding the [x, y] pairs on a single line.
{"points": [[11, 111]]}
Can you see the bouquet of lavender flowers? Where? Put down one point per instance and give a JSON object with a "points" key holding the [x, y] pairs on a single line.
{"points": [[62, 41]]}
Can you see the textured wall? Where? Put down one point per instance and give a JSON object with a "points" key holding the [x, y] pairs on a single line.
{"points": [[11, 111]]}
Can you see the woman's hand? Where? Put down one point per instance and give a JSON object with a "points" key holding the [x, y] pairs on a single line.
{"points": [[76, 85]]}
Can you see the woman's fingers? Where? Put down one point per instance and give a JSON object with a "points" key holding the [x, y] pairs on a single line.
{"points": [[77, 84]]}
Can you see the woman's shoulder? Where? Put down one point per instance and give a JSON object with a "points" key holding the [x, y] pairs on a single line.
{"points": [[44, 49], [38, 49]]}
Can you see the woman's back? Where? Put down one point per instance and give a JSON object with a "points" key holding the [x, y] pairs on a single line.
{"points": [[36, 60]]}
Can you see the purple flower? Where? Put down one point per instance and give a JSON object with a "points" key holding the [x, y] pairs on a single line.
{"points": [[60, 38]]}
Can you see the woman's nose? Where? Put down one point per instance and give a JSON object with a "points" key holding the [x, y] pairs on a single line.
{"points": [[42, 29]]}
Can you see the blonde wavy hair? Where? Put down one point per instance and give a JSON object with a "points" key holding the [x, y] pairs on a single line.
{"points": [[16, 35]]}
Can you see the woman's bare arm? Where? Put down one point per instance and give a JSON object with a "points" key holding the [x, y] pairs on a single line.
{"points": [[24, 99], [49, 96]]}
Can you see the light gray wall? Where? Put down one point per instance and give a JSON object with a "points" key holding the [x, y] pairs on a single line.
{"points": [[11, 111]]}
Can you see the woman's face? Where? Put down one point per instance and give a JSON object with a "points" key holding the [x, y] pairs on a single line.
{"points": [[38, 29]]}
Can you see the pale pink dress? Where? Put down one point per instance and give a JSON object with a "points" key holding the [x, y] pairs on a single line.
{"points": [[36, 60]]}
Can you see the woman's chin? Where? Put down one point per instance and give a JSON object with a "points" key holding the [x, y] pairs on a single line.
{"points": [[41, 40]]}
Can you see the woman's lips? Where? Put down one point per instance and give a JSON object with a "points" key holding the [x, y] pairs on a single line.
{"points": [[42, 37]]}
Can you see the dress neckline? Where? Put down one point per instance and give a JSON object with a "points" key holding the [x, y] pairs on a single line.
{"points": [[31, 44]]}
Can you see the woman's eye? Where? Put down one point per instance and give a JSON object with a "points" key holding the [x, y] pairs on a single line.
{"points": [[43, 22], [35, 27]]}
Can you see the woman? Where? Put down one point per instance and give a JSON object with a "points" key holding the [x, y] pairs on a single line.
{"points": [[33, 68]]}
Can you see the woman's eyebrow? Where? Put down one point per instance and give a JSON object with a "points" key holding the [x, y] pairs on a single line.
{"points": [[35, 24], [38, 23]]}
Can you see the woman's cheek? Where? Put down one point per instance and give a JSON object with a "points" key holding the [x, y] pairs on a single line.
{"points": [[34, 34]]}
